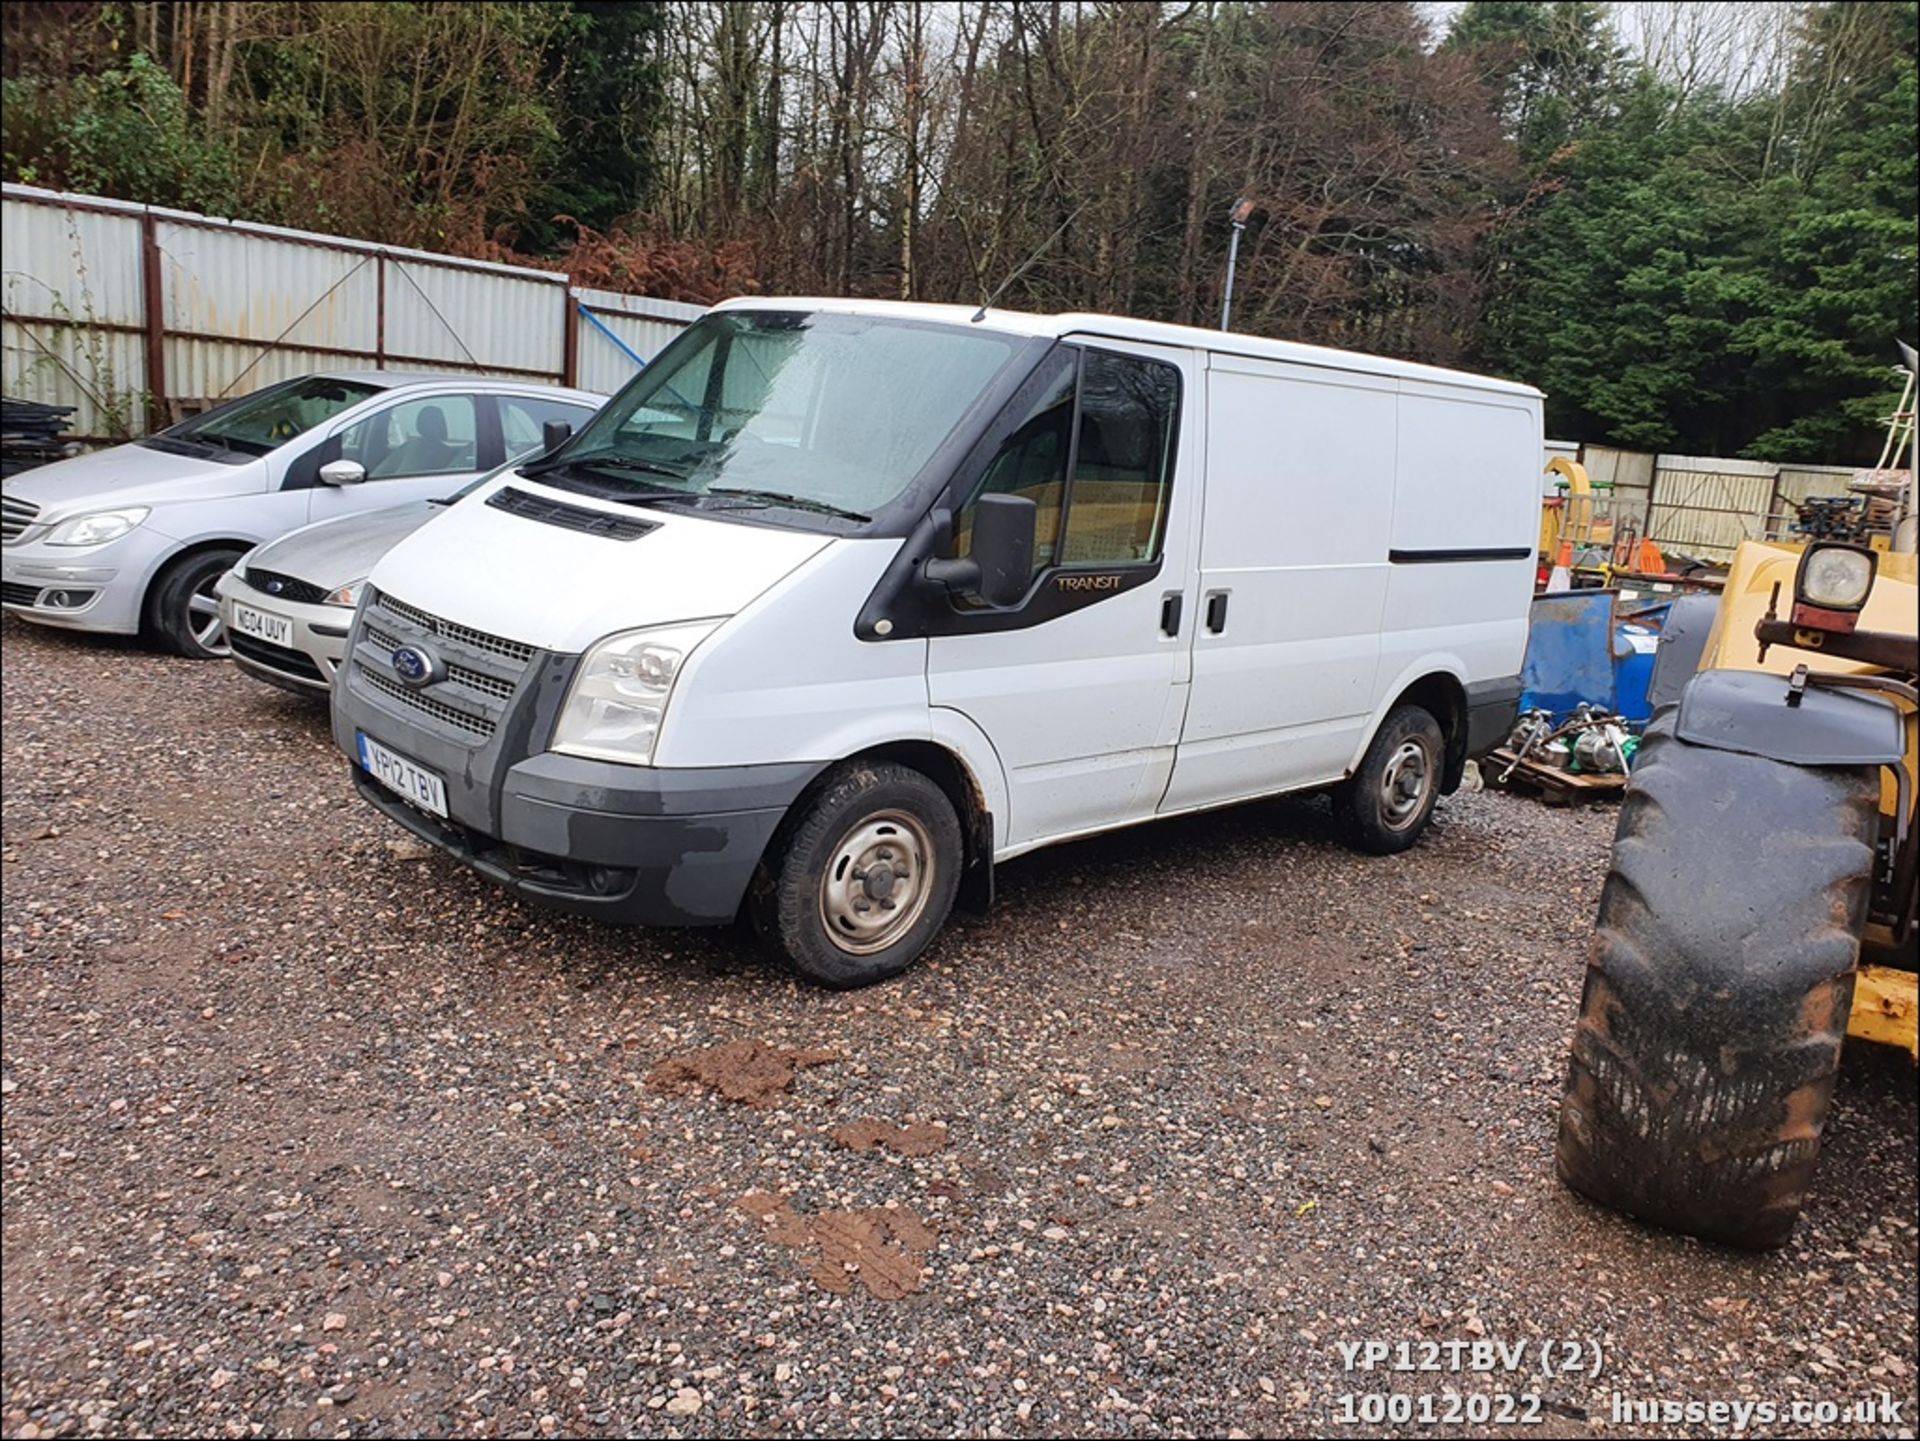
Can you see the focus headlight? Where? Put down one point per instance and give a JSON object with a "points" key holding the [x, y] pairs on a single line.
{"points": [[97, 528], [619, 696], [1834, 577], [347, 595]]}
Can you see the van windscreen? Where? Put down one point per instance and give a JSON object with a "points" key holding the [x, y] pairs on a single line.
{"points": [[810, 411]]}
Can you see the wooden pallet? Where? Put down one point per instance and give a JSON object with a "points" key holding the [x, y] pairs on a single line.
{"points": [[1552, 782]]}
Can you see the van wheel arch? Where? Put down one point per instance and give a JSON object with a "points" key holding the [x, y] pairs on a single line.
{"points": [[962, 789], [1440, 695]]}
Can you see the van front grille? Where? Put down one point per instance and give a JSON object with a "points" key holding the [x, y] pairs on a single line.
{"points": [[474, 725], [479, 673], [451, 630]]}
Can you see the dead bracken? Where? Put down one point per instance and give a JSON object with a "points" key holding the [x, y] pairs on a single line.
{"points": [[880, 1246], [918, 1138], [751, 1072]]}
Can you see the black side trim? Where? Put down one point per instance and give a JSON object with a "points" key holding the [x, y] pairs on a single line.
{"points": [[1492, 708], [1449, 557], [569, 517]]}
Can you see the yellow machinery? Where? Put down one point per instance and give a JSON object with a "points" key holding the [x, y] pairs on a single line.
{"points": [[1761, 905]]}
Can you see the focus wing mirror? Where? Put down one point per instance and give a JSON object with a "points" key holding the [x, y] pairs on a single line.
{"points": [[998, 565], [342, 472]]}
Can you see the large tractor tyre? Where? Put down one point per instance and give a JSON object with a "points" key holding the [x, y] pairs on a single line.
{"points": [[1718, 989]]}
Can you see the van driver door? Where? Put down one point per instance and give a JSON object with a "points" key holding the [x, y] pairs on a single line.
{"points": [[1082, 687]]}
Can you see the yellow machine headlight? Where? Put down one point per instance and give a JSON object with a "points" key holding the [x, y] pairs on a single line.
{"points": [[1834, 577]]}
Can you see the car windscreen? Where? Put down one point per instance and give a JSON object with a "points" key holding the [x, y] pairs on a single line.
{"points": [[268, 419], [808, 412]]}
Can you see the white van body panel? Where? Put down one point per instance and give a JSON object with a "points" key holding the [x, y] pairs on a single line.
{"points": [[1299, 481], [787, 680], [1468, 467], [1085, 710], [563, 590]]}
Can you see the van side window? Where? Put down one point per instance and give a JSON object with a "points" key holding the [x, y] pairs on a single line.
{"points": [[1117, 503], [1099, 488], [1032, 461]]}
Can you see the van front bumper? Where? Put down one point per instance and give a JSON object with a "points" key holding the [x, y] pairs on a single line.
{"points": [[669, 869], [633, 845]]}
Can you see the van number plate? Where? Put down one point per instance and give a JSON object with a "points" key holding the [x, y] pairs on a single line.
{"points": [[263, 625], [410, 782]]}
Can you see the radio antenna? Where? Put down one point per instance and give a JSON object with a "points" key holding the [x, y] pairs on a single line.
{"points": [[1027, 264]]}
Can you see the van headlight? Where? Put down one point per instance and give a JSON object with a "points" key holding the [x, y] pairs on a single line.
{"points": [[619, 696], [98, 527]]}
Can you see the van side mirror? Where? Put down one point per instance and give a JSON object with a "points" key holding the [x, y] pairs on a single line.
{"points": [[998, 565], [554, 434], [342, 472]]}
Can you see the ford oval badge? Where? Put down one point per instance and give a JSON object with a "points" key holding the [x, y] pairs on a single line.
{"points": [[416, 666]]}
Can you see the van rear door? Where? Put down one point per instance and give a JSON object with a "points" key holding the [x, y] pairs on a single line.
{"points": [[1293, 577], [1081, 687]]}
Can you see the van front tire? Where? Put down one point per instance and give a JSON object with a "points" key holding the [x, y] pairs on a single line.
{"points": [[861, 876], [1385, 805]]}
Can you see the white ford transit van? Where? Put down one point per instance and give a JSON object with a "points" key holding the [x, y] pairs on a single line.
{"points": [[840, 603]]}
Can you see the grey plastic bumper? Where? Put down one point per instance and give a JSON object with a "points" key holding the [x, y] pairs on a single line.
{"points": [[627, 844]]}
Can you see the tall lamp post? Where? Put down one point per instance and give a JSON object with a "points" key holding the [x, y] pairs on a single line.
{"points": [[1242, 209]]}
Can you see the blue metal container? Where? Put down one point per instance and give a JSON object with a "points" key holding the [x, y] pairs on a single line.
{"points": [[1578, 650]]}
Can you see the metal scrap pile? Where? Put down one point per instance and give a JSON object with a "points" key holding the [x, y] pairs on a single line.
{"points": [[30, 435]]}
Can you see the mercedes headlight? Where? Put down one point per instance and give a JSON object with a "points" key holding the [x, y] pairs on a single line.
{"points": [[619, 695], [97, 528]]}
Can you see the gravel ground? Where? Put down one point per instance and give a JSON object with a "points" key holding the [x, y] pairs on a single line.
{"points": [[308, 1134]]}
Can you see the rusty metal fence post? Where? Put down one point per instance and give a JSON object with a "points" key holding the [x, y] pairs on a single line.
{"points": [[154, 317]]}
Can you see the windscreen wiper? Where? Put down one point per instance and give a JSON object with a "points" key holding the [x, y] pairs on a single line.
{"points": [[602, 462], [792, 502]]}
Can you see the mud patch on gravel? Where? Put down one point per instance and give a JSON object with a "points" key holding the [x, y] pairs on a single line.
{"points": [[918, 1138], [880, 1246], [751, 1072]]}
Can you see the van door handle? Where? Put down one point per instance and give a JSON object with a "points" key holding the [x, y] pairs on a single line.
{"points": [[1170, 613], [1217, 612]]}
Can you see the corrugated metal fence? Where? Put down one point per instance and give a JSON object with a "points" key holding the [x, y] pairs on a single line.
{"points": [[137, 315]]}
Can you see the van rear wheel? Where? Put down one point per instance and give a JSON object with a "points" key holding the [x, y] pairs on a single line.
{"points": [[1385, 804], [861, 877]]}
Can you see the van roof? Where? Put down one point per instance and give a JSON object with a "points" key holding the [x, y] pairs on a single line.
{"points": [[1152, 332]]}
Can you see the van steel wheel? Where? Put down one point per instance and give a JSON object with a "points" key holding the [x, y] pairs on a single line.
{"points": [[860, 876], [878, 882], [183, 610], [1387, 802]]}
